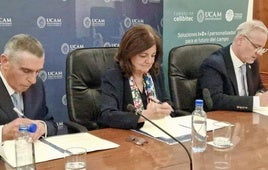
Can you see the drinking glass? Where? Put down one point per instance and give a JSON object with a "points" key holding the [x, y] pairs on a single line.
{"points": [[222, 134], [75, 158]]}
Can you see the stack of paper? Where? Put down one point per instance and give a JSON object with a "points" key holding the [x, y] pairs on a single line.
{"points": [[178, 127], [261, 110], [53, 147]]}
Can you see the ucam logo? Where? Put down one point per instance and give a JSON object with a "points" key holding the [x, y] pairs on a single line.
{"points": [[43, 75], [64, 100], [151, 1], [54, 21], [42, 22], [97, 22], [54, 75], [200, 15], [212, 14], [108, 44], [86, 22], [128, 22], [208, 15], [50, 75], [5, 22], [66, 48]]}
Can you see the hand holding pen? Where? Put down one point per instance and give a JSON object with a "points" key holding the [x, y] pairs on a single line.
{"points": [[153, 99], [156, 109], [20, 114], [160, 108]]}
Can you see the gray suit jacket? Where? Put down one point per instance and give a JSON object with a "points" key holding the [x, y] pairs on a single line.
{"points": [[218, 75], [34, 106]]}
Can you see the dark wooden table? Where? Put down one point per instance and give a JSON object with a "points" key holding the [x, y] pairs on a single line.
{"points": [[249, 151]]}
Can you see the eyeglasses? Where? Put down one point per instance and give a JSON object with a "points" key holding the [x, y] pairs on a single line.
{"points": [[259, 50], [136, 140]]}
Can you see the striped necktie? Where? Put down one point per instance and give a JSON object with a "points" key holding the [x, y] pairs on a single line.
{"points": [[17, 101], [243, 69]]}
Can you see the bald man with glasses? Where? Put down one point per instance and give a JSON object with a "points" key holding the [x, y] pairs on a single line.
{"points": [[231, 74]]}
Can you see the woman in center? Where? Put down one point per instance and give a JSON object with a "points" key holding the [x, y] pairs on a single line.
{"points": [[137, 76]]}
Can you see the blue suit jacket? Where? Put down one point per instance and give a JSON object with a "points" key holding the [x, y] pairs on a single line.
{"points": [[116, 95], [34, 106], [218, 75]]}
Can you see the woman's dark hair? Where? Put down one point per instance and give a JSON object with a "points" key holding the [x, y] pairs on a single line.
{"points": [[136, 40]]}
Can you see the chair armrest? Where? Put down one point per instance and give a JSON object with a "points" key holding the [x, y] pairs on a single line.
{"points": [[75, 127], [90, 125]]}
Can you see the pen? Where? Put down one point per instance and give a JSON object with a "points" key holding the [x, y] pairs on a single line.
{"points": [[55, 146], [20, 114], [154, 100], [185, 126]]}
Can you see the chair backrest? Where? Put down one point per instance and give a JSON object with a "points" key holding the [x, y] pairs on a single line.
{"points": [[84, 68], [183, 67]]}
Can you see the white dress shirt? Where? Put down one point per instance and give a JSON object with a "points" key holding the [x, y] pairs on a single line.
{"points": [[237, 63]]}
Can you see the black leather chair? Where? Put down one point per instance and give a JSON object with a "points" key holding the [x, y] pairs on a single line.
{"points": [[84, 68], [183, 67]]}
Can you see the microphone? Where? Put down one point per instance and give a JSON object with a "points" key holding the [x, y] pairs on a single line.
{"points": [[207, 98], [133, 109]]}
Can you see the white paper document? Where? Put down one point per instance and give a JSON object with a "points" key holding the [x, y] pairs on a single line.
{"points": [[178, 127], [45, 152], [261, 110]]}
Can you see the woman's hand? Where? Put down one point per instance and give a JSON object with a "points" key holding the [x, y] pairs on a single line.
{"points": [[156, 111]]}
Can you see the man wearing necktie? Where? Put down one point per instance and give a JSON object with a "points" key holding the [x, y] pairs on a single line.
{"points": [[231, 74], [22, 99], [243, 91]]}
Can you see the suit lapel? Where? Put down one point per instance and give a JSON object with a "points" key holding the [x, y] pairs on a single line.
{"points": [[127, 98], [6, 104], [230, 69], [250, 81]]}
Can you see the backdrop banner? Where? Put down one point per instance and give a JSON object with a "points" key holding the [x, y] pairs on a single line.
{"points": [[196, 22], [65, 25]]}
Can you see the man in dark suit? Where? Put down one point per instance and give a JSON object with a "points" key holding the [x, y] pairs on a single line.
{"points": [[21, 61], [222, 74]]}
